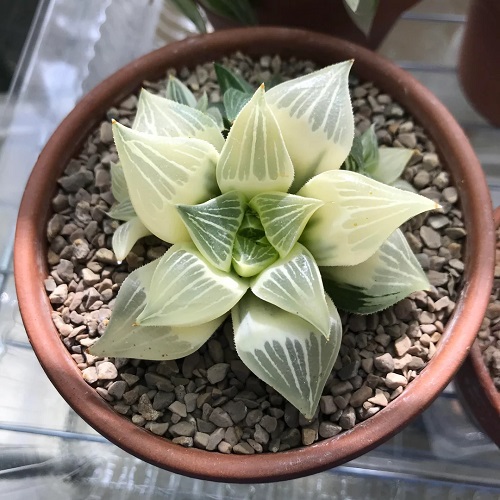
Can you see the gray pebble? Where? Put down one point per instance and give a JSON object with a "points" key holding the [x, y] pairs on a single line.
{"points": [[59, 295], [162, 400], [105, 256], [90, 375], [309, 435], [243, 449], [182, 428], [360, 396], [200, 440], [186, 442], [217, 372], [348, 371], [269, 423], [237, 410], [348, 418], [220, 418], [106, 133], [215, 438], [117, 389], [384, 363], [291, 437], [261, 435], [430, 237], [178, 408], [158, 428], [339, 388], [253, 417], [328, 429], [437, 278]]}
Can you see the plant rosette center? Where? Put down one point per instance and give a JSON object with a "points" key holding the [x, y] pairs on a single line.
{"points": [[287, 218]]}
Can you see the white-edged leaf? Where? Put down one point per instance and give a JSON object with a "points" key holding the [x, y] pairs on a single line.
{"points": [[216, 116], [315, 117], [213, 225], [125, 339], [123, 210], [157, 115], [358, 216], [369, 143], [388, 276], [234, 101], [251, 257], [254, 158], [285, 351], [284, 217], [187, 291], [118, 183], [178, 92], [391, 163], [126, 236], [362, 13], [162, 172], [293, 283]]}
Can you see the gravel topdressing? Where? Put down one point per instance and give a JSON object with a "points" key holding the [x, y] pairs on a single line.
{"points": [[210, 400], [489, 334]]}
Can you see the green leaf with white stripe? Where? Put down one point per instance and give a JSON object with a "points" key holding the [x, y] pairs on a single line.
{"points": [[387, 277], [228, 79], [159, 116], [250, 257], [369, 143], [214, 113], [285, 351], [125, 339], [202, 104], [118, 183], [294, 284], [391, 164], [315, 116], [187, 291], [358, 216], [162, 172], [254, 158], [126, 236], [123, 211], [213, 225], [284, 217], [178, 92], [234, 102]]}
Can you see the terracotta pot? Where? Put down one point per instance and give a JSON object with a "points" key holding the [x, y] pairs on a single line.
{"points": [[476, 387], [478, 65], [325, 16], [31, 267]]}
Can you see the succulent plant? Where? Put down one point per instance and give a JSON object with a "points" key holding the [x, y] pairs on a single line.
{"points": [[261, 225]]}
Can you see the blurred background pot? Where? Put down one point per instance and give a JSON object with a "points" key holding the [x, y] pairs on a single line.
{"points": [[325, 16], [479, 59], [476, 387], [31, 269]]}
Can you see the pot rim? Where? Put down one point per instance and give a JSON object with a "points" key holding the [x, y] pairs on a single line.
{"points": [[476, 387], [30, 266]]}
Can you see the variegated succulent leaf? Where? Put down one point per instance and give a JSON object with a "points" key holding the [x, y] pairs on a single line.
{"points": [[186, 290], [283, 217], [157, 115], [315, 117], [359, 214], [391, 164], [293, 283], [126, 236], [178, 92], [162, 172], [251, 256], [125, 339], [285, 351], [254, 158], [213, 225], [388, 276]]}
